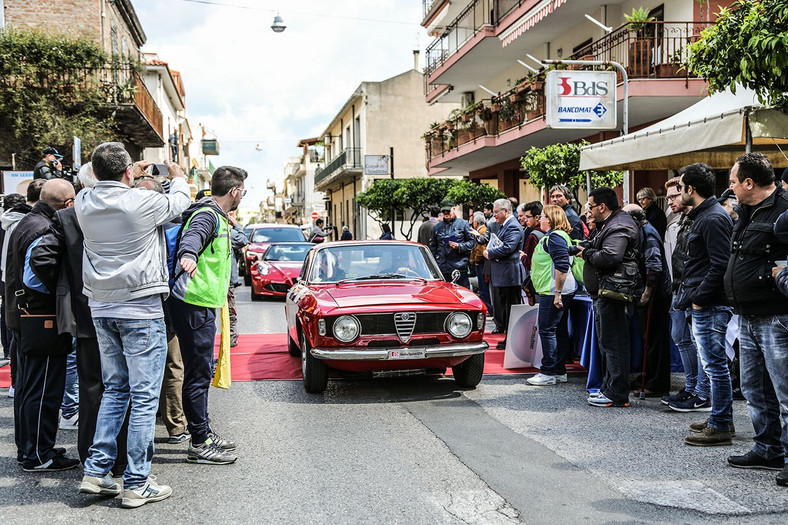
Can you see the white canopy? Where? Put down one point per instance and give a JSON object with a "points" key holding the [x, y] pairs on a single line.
{"points": [[710, 131]]}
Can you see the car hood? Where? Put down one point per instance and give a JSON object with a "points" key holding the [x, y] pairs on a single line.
{"points": [[258, 246], [291, 269], [355, 294]]}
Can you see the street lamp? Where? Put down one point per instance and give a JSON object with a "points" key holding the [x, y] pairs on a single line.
{"points": [[279, 25]]}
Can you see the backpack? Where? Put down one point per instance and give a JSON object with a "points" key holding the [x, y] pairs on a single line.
{"points": [[172, 236]]}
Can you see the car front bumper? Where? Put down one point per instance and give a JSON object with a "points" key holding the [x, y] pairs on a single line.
{"points": [[398, 353]]}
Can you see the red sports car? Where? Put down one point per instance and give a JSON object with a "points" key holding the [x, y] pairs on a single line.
{"points": [[276, 271], [261, 236], [382, 305]]}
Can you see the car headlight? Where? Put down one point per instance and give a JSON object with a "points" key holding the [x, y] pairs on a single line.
{"points": [[321, 327], [459, 325], [346, 328], [262, 268], [480, 318]]}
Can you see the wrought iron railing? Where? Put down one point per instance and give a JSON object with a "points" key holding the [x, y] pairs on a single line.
{"points": [[125, 87], [349, 158]]}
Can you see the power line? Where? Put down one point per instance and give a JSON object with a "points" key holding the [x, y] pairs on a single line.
{"points": [[322, 15]]}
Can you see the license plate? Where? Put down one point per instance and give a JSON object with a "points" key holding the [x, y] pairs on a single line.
{"points": [[408, 353]]}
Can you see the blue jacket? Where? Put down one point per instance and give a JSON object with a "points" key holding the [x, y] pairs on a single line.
{"points": [[505, 266], [449, 259]]}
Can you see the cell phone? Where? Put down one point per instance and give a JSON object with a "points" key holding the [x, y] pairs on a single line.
{"points": [[158, 170]]}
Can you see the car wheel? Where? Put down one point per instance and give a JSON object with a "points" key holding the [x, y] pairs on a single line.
{"points": [[314, 371], [469, 372], [255, 296], [292, 347], [247, 279]]}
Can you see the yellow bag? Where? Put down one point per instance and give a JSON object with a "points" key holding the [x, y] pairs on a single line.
{"points": [[223, 378]]}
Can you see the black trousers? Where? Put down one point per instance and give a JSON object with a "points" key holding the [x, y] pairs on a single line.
{"points": [[658, 357], [503, 297], [91, 387], [612, 320], [43, 379], [196, 329]]}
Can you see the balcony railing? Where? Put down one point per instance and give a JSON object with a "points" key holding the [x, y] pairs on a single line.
{"points": [[469, 22], [126, 90], [349, 158]]}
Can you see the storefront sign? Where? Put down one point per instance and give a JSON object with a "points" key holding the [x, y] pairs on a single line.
{"points": [[376, 164], [581, 99]]}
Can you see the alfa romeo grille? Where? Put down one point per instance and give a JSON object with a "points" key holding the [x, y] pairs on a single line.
{"points": [[404, 322]]}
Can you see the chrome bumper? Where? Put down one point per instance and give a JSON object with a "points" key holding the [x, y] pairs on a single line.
{"points": [[382, 354]]}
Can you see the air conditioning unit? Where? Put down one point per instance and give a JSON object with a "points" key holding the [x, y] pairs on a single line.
{"points": [[467, 99]]}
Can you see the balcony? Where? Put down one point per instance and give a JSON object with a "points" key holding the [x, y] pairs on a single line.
{"points": [[136, 113], [348, 162]]}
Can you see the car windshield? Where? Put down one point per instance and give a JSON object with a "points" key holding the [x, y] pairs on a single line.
{"points": [[373, 261], [287, 252], [277, 235]]}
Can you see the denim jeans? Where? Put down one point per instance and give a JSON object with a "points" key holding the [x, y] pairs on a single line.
{"points": [[695, 379], [484, 287], [709, 326], [70, 405], [132, 365], [554, 334], [763, 354]]}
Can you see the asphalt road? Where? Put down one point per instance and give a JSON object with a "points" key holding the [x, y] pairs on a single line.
{"points": [[419, 450]]}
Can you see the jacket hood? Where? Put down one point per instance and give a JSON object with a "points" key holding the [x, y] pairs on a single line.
{"points": [[202, 203], [14, 215]]}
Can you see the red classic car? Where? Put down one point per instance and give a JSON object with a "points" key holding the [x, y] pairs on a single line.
{"points": [[276, 271], [382, 305], [260, 237]]}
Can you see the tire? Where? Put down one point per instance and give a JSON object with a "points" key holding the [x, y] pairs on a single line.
{"points": [[292, 347], [255, 296], [469, 372], [314, 371]]}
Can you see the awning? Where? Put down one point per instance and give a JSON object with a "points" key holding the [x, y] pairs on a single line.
{"points": [[710, 131], [528, 20]]}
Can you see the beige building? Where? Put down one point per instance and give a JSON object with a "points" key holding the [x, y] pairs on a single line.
{"points": [[301, 199], [377, 117]]}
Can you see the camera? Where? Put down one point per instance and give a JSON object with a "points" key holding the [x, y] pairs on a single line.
{"points": [[575, 248]]}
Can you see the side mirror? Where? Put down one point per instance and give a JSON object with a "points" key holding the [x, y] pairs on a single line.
{"points": [[455, 276]]}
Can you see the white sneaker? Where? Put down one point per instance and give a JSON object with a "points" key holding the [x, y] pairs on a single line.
{"points": [[149, 492], [96, 485], [541, 380], [11, 392], [563, 378], [71, 423]]}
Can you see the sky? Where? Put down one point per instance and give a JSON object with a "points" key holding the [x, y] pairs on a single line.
{"points": [[248, 85]]}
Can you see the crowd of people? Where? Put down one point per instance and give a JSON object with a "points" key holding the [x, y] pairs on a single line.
{"points": [[718, 266], [122, 273]]}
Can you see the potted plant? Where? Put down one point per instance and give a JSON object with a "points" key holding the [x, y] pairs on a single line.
{"points": [[508, 115], [640, 47]]}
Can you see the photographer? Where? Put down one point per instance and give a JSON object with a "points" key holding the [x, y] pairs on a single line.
{"points": [[50, 166]]}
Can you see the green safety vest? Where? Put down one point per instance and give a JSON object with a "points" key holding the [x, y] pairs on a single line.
{"points": [[543, 270], [211, 280]]}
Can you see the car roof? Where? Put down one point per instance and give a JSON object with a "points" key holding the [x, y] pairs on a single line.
{"points": [[269, 225], [368, 243]]}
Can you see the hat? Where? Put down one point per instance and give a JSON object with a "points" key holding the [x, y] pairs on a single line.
{"points": [[727, 194], [447, 205], [202, 193], [784, 177], [52, 151]]}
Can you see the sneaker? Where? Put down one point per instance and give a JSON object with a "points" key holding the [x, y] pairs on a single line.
{"points": [[682, 395], [699, 427], [222, 443], [209, 454], [56, 464], [782, 477], [11, 392], [601, 400], [95, 485], [541, 379], [562, 378], [178, 438], [595, 394], [692, 404], [59, 451], [753, 460], [69, 423], [710, 437], [148, 493]]}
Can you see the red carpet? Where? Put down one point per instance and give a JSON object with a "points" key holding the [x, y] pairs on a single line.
{"points": [[264, 356]]}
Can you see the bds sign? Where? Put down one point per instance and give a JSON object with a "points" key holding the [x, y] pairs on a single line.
{"points": [[581, 99]]}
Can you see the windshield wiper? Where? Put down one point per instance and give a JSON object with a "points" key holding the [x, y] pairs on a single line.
{"points": [[381, 276]]}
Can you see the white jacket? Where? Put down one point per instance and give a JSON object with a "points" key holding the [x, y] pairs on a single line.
{"points": [[124, 256]]}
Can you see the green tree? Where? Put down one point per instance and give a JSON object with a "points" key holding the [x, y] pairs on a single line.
{"points": [[381, 198], [50, 90], [472, 194], [420, 194], [560, 164], [748, 46]]}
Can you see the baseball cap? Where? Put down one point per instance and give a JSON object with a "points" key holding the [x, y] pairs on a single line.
{"points": [[446, 205], [52, 151], [202, 193]]}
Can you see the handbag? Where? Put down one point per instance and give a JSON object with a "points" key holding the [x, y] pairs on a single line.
{"points": [[40, 336], [622, 283]]}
